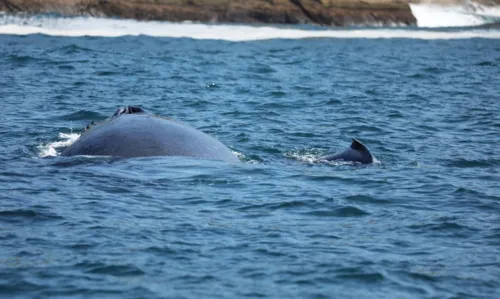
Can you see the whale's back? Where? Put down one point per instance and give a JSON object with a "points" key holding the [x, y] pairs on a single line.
{"points": [[140, 135]]}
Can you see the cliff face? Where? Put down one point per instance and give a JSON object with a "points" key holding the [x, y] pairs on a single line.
{"points": [[322, 12]]}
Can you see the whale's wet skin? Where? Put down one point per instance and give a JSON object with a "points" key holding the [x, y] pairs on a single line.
{"points": [[133, 132], [357, 153]]}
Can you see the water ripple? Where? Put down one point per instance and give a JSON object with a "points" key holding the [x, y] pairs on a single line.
{"points": [[348, 211], [421, 224]]}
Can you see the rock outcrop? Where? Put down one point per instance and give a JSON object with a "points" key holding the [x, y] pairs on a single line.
{"points": [[320, 12]]}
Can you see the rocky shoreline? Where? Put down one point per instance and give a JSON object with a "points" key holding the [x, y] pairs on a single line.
{"points": [[319, 12]]}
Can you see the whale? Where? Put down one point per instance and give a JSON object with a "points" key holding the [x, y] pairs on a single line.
{"points": [[356, 153], [134, 132]]}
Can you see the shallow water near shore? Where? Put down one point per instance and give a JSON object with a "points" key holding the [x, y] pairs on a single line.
{"points": [[424, 223]]}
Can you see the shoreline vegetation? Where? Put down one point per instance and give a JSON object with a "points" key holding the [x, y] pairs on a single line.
{"points": [[318, 12]]}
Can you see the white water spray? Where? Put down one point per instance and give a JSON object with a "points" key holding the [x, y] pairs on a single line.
{"points": [[87, 26], [465, 15], [50, 149]]}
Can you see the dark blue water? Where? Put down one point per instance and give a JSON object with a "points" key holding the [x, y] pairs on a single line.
{"points": [[422, 224]]}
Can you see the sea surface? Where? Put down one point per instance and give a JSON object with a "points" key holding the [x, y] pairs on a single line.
{"points": [[422, 223]]}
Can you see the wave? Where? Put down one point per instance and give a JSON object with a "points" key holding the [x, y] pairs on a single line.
{"points": [[466, 15], [103, 27]]}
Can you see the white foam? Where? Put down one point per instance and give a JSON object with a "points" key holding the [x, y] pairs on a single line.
{"points": [[242, 157], [308, 156], [88, 26], [485, 11], [50, 149], [468, 14]]}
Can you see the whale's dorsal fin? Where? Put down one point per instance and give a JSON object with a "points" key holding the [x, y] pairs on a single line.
{"points": [[357, 152], [356, 145]]}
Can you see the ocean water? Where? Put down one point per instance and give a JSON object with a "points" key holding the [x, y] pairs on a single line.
{"points": [[423, 223]]}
